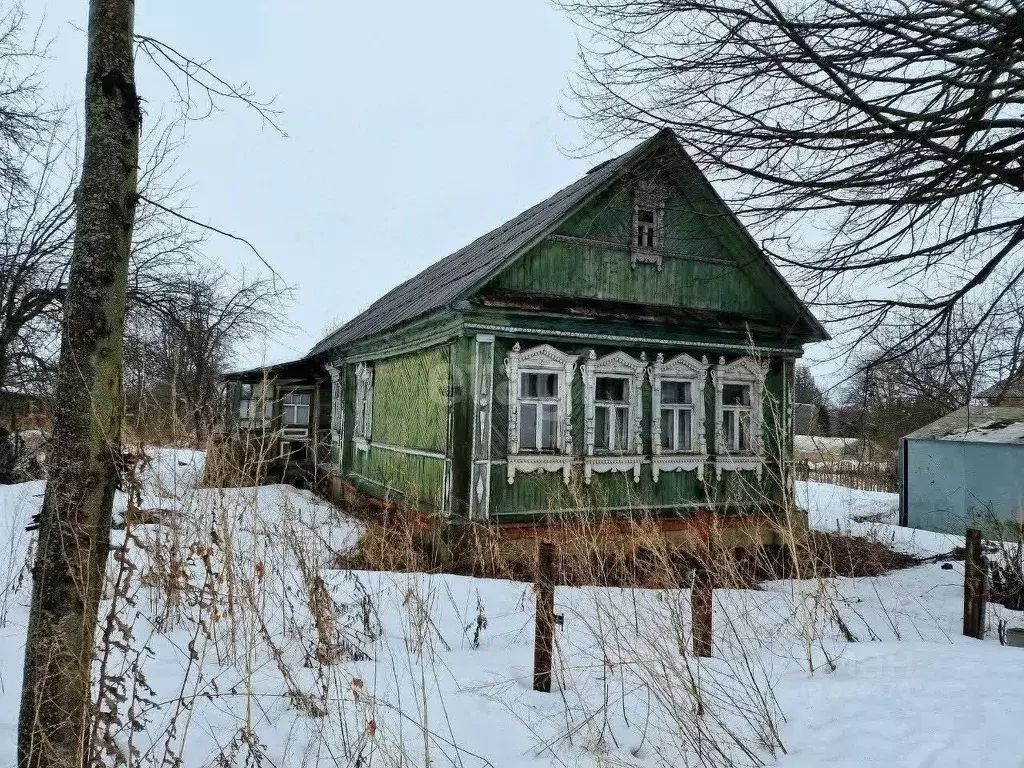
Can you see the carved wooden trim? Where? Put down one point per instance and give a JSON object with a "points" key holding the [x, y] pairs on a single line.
{"points": [[617, 363], [744, 370], [686, 369], [543, 359]]}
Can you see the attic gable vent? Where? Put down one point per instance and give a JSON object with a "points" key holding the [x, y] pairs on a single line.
{"points": [[647, 237]]}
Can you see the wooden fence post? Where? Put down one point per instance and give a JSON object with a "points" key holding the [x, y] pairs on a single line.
{"points": [[544, 620], [701, 611], [974, 586]]}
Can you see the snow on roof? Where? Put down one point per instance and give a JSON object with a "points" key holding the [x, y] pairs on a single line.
{"points": [[993, 424]]}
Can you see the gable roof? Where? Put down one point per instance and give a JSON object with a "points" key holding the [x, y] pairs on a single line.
{"points": [[1003, 389], [443, 283]]}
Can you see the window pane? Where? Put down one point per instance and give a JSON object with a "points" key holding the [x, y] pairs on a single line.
{"points": [[530, 385], [549, 385], [744, 437], [729, 429], [646, 215], [601, 428], [549, 427], [247, 391], [685, 431], [528, 426], [736, 394], [676, 392], [621, 428], [610, 390], [668, 429], [650, 237], [640, 235]]}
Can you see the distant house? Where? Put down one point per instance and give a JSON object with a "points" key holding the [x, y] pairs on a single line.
{"points": [[622, 345], [1004, 393], [964, 470]]}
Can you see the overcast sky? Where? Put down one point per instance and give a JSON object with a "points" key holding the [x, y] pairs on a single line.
{"points": [[412, 128]]}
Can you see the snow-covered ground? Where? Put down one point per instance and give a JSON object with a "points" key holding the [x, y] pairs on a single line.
{"points": [[245, 645]]}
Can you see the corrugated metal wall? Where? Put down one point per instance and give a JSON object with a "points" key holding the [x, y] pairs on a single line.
{"points": [[951, 485]]}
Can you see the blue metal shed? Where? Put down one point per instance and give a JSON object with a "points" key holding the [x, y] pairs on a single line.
{"points": [[964, 470]]}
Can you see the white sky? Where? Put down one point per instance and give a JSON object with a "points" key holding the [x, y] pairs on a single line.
{"points": [[412, 128]]}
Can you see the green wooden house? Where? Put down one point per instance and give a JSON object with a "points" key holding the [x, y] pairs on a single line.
{"points": [[621, 345]]}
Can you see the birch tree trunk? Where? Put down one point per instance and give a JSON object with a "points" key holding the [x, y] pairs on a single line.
{"points": [[53, 730]]}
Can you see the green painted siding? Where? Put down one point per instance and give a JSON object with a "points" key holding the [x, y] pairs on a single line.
{"points": [[575, 269], [410, 400], [544, 492], [706, 263], [417, 480], [411, 395]]}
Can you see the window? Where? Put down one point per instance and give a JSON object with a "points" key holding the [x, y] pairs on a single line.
{"points": [[676, 416], [539, 429], [295, 409], [538, 412], [612, 386], [246, 409], [648, 225], [736, 417], [644, 227], [611, 414], [363, 406], [739, 389], [252, 405]]}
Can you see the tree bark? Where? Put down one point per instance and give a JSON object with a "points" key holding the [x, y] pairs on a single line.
{"points": [[74, 531]]}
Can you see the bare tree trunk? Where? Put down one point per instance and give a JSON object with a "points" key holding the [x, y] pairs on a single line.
{"points": [[175, 363], [75, 524]]}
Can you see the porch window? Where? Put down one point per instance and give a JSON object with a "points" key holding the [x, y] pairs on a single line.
{"points": [[246, 409], [611, 414], [253, 406], [538, 411], [295, 409]]}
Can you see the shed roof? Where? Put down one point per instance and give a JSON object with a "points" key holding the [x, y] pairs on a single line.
{"points": [[443, 283], [977, 424]]}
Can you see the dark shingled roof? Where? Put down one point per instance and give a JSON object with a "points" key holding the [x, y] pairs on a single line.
{"points": [[444, 282], [1002, 389]]}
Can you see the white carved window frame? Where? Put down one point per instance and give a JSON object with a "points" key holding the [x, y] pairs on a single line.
{"points": [[364, 407], [745, 370], [540, 359], [647, 197], [618, 365], [686, 369], [337, 408]]}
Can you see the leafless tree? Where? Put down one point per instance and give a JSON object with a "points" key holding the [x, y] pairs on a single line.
{"points": [[85, 459], [875, 145], [36, 233], [180, 348]]}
